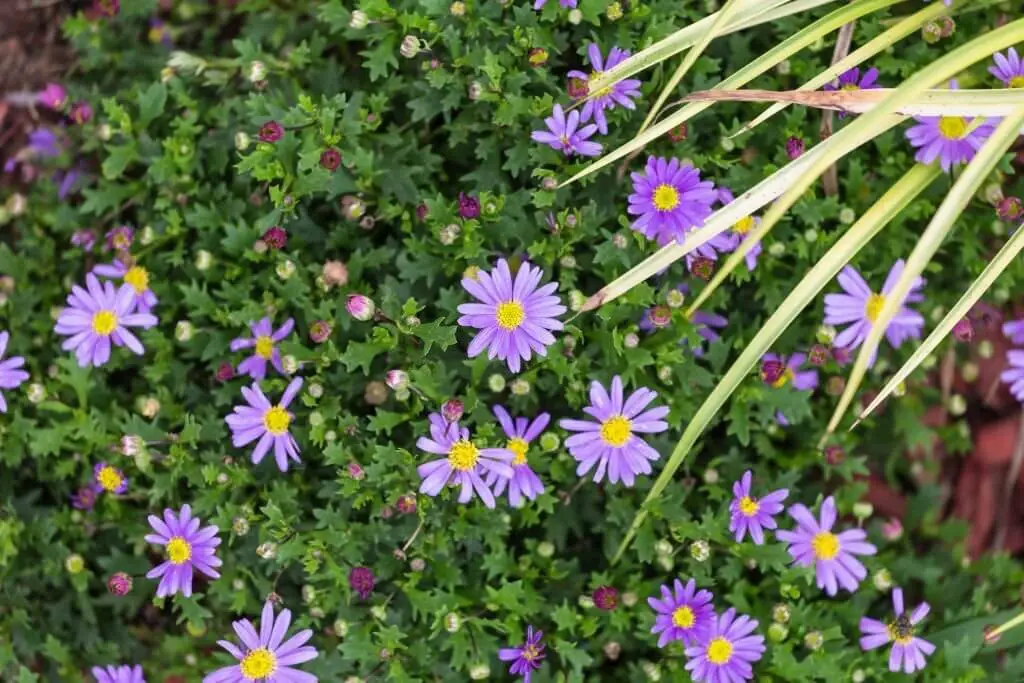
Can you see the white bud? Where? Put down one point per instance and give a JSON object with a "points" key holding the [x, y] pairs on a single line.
{"points": [[316, 390], [847, 215], [257, 71], [36, 393], [147, 235], [359, 20], [183, 331], [242, 141], [290, 364], [204, 259], [777, 249], [222, 478], [545, 549], [285, 269], [479, 672], [410, 47], [575, 16]]}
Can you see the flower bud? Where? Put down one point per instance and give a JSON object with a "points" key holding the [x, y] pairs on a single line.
{"points": [[271, 131], [360, 307], [631, 340], [452, 622], [452, 410], [700, 551], [267, 551], [612, 650], [882, 580], [545, 549], [183, 331], [963, 330], [550, 442], [448, 234], [777, 632], [410, 47], [892, 529], [834, 455], [711, 476], [119, 584], [355, 470], [777, 249], [375, 393], [862, 510], [257, 71], [358, 20], [496, 383], [240, 526], [74, 563], [794, 147], [396, 379], [651, 670], [606, 598], [957, 405], [1010, 209], [319, 331], [479, 672], [970, 371], [781, 614], [457, 8], [575, 16], [814, 640], [519, 387], [225, 371]]}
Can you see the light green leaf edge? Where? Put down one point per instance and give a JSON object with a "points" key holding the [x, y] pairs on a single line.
{"points": [[865, 52], [928, 243], [823, 272], [744, 75], [941, 332]]}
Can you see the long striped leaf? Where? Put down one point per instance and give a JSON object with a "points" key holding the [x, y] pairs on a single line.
{"points": [[859, 234], [927, 244], [742, 76], [941, 332], [865, 52]]}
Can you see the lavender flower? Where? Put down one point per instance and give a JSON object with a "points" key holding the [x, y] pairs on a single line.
{"points": [[53, 96], [860, 306], [950, 139], [108, 478], [263, 342], [565, 134], [1014, 331], [120, 238], [619, 94], [263, 656], [728, 653], [1014, 375], [670, 199], [527, 657], [851, 79], [187, 546], [683, 613], [515, 318], [611, 442], [832, 555], [747, 513], [137, 277], [268, 423], [97, 316], [524, 482], [85, 498], [1008, 68], [118, 674], [740, 233], [789, 371], [85, 238], [908, 651], [462, 463], [11, 374]]}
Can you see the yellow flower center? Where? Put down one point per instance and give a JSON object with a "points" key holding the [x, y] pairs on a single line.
{"points": [[109, 478], [901, 631], [530, 653], [850, 86], [616, 431], [178, 550], [104, 323], [743, 225], [749, 506], [1017, 82], [259, 663], [138, 278], [784, 378], [463, 456], [825, 545], [603, 92], [874, 306], [665, 197], [952, 127], [264, 347], [276, 420], [519, 447], [719, 651], [510, 315], [683, 617]]}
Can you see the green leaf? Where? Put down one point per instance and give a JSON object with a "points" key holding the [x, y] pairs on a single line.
{"points": [[151, 104], [118, 158], [435, 332]]}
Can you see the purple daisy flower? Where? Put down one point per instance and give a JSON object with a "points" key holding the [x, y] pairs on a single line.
{"points": [[683, 613], [462, 462], [950, 139], [187, 546], [747, 513], [85, 498], [852, 80], [524, 482], [860, 306], [908, 651], [565, 134], [729, 651], [136, 276], [118, 674], [1014, 376], [670, 199], [527, 657], [1009, 68], [740, 232], [789, 372], [11, 374], [611, 442], [619, 94], [515, 317], [263, 656], [108, 478], [97, 316], [1014, 331], [264, 342], [120, 238], [813, 543], [266, 422]]}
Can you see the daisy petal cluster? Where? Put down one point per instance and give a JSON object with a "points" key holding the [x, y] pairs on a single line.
{"points": [[859, 307], [267, 424], [950, 139], [669, 200], [619, 95], [134, 275], [1008, 68], [568, 134], [11, 374], [526, 658], [515, 316], [524, 482], [813, 544], [98, 317], [187, 547], [538, 4], [682, 613], [463, 463], [851, 79], [612, 442], [266, 655], [750, 514], [908, 650], [263, 342], [118, 674], [789, 372]]}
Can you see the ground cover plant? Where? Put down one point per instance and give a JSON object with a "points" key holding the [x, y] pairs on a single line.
{"points": [[498, 339]]}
